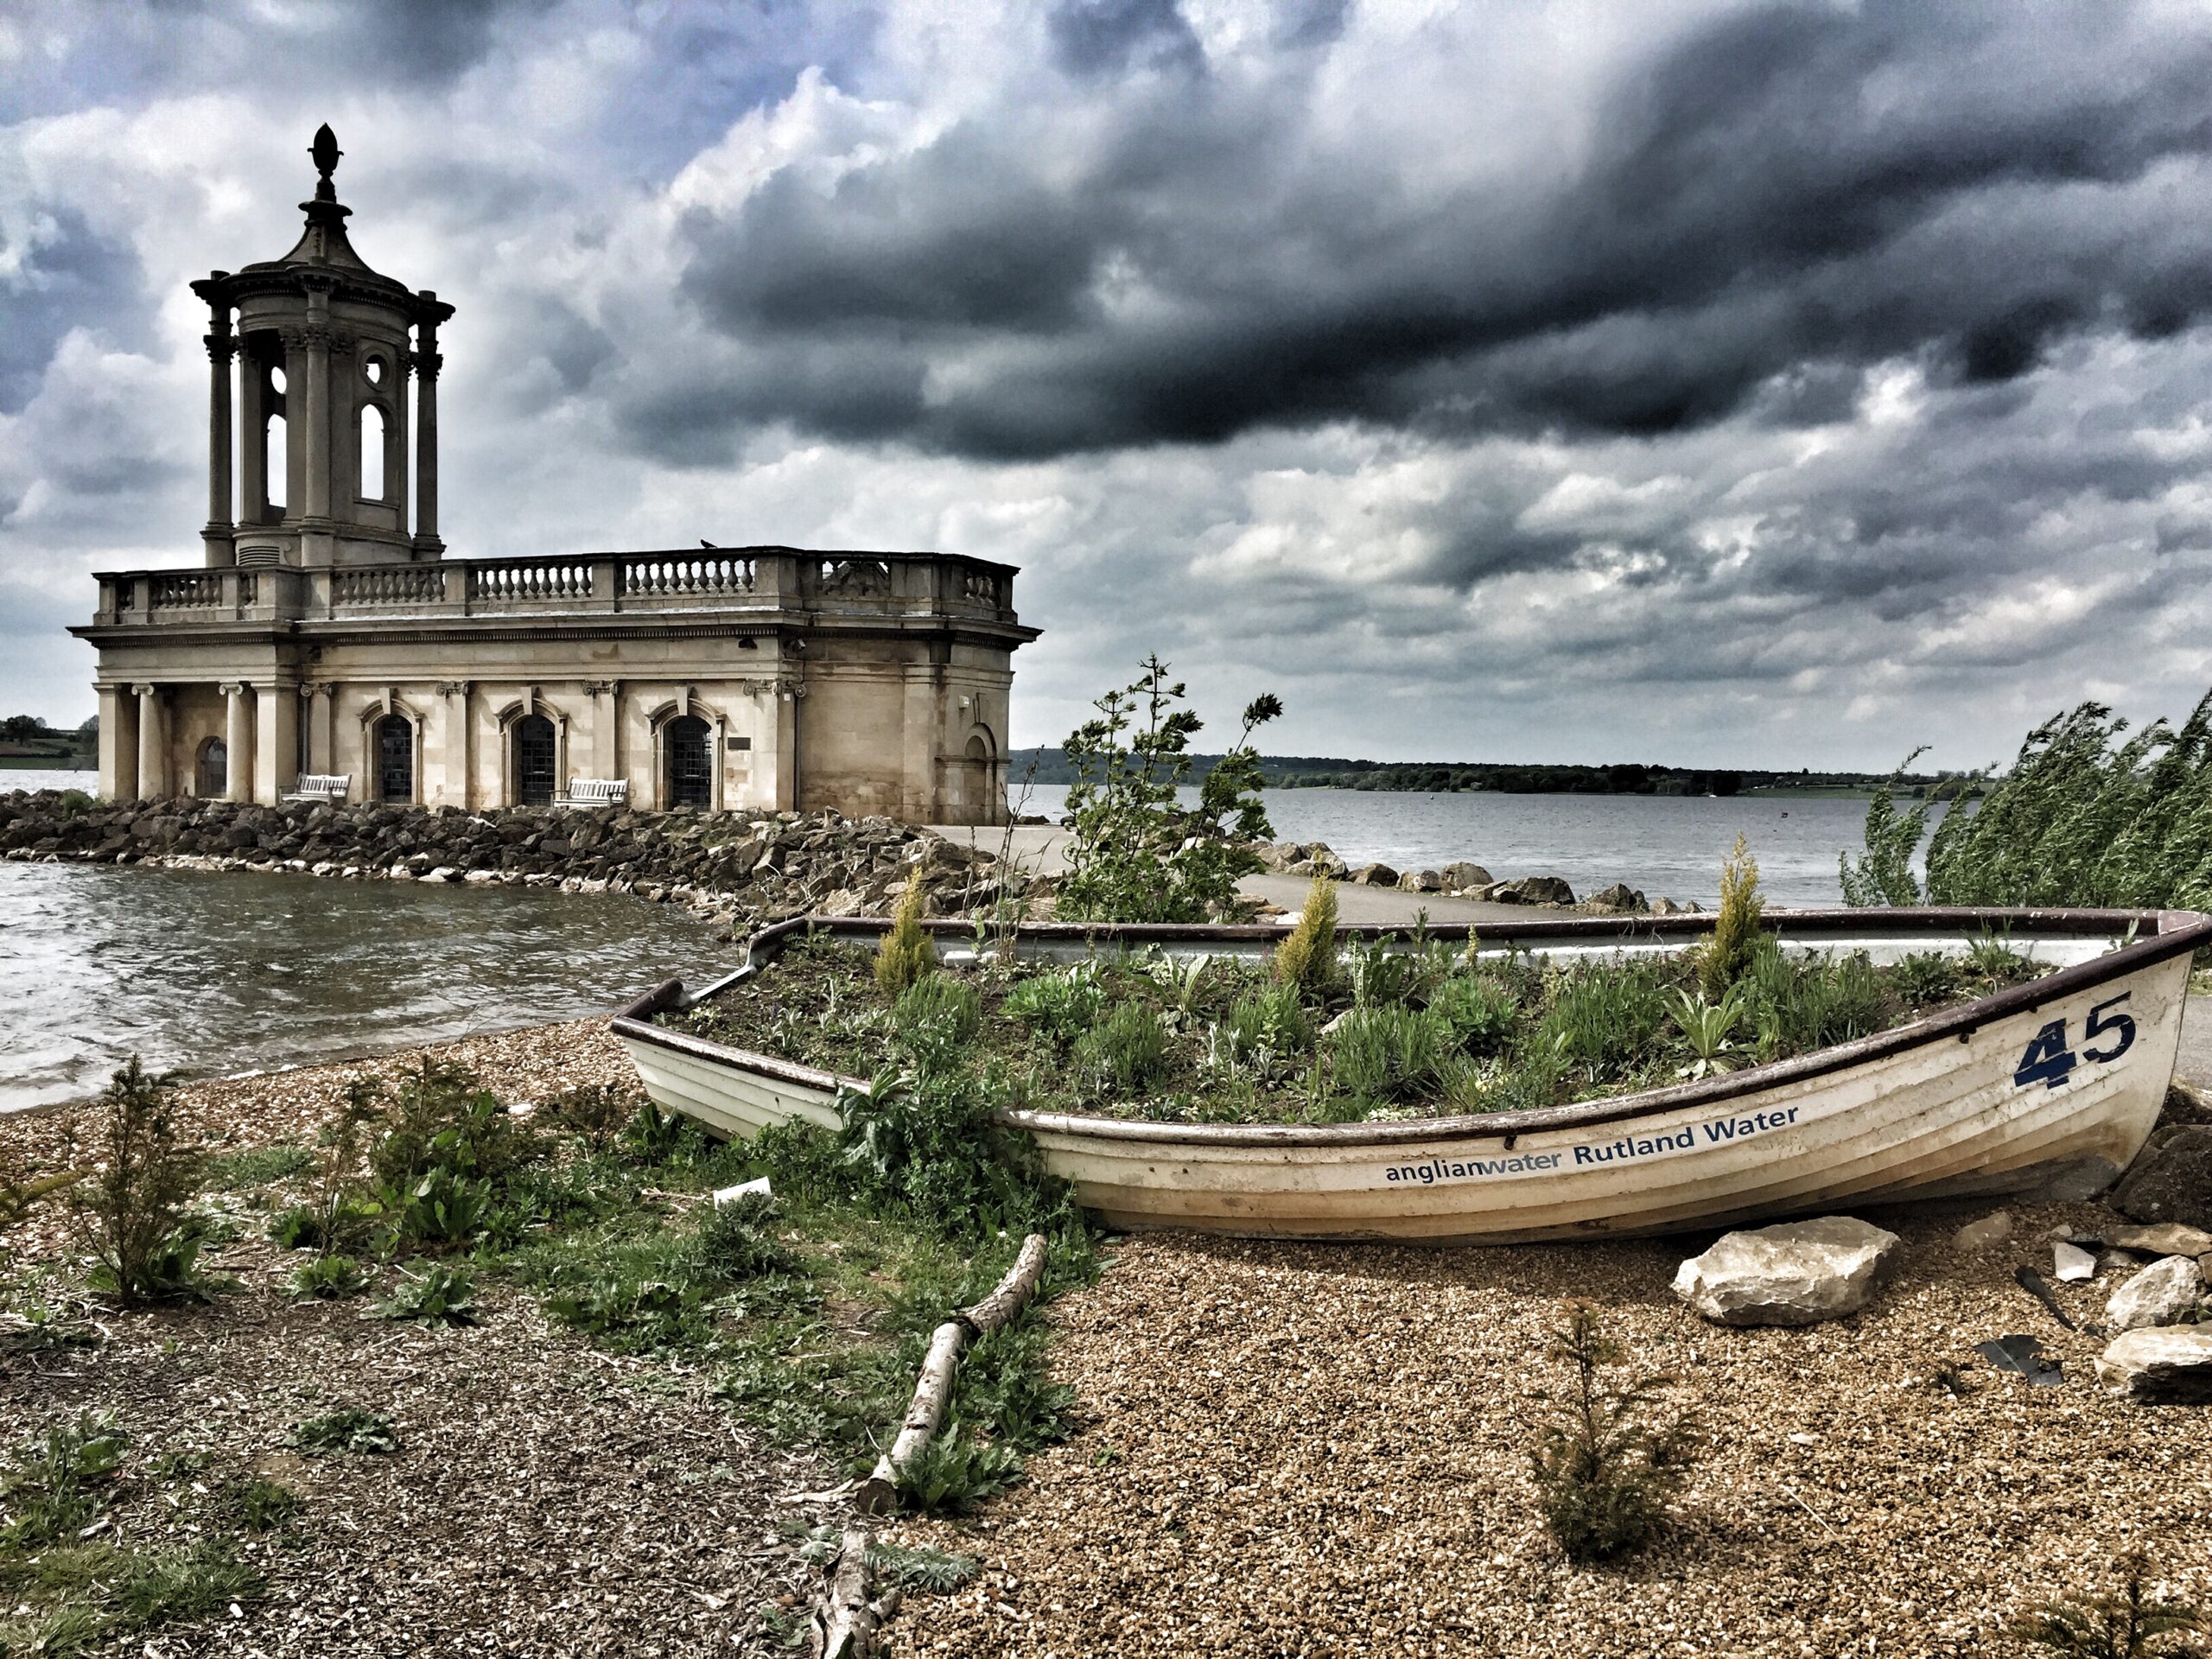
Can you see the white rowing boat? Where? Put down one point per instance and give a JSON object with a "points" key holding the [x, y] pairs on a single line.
{"points": [[2046, 1089]]}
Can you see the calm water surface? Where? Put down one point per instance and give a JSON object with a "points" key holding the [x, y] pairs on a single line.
{"points": [[219, 973], [207, 973], [1668, 846]]}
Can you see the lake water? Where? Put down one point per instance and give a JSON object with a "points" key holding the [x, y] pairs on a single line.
{"points": [[215, 973], [218, 973], [1668, 846]]}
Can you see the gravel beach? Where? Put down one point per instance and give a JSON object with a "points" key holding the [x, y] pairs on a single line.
{"points": [[1323, 1449]]}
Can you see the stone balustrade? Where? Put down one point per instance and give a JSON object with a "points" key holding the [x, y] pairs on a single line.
{"points": [[720, 579]]}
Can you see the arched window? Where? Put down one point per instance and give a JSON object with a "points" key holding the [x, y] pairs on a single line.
{"points": [[373, 441], [690, 762], [534, 761], [395, 758], [274, 468], [212, 778]]}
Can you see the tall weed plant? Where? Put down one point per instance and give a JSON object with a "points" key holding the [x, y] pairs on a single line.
{"points": [[1135, 854]]}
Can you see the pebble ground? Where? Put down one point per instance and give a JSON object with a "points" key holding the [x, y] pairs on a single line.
{"points": [[1323, 1450]]}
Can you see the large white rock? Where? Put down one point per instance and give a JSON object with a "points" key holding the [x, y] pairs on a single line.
{"points": [[2165, 1292], [1798, 1273], [2171, 1366]]}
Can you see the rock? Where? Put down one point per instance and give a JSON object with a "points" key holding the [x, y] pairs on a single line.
{"points": [[1798, 1273], [1530, 890], [2172, 1180], [2070, 1264], [2169, 1239], [1621, 899], [1420, 881], [2160, 1366], [1464, 877], [1984, 1235], [2165, 1292], [1373, 875]]}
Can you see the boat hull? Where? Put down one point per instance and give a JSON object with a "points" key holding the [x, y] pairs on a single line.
{"points": [[2048, 1089]]}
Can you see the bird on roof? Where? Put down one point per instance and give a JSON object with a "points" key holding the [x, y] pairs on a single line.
{"points": [[703, 542]]}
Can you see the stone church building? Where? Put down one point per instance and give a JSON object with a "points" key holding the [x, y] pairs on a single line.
{"points": [[327, 633]]}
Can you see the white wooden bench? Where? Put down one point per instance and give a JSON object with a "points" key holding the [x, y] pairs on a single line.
{"points": [[320, 787], [596, 791]]}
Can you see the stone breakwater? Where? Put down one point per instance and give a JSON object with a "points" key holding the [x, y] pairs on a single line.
{"points": [[749, 871], [1461, 880]]}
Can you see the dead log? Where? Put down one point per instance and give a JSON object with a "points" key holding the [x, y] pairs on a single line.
{"points": [[845, 1622], [879, 1493]]}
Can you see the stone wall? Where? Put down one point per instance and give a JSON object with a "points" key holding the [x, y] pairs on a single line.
{"points": [[752, 870]]}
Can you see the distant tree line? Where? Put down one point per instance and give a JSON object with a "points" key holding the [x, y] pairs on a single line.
{"points": [[28, 737], [1321, 771]]}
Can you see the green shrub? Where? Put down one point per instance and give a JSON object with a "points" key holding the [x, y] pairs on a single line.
{"points": [[1707, 1028], [1266, 1025], [439, 1119], [1135, 854], [950, 1006], [1727, 953], [652, 1136], [1128, 1052], [1481, 1012], [1061, 1006], [257, 1503], [132, 1210], [906, 954], [1925, 977], [1801, 1004], [1883, 873], [435, 1296], [958, 1470], [2127, 1621], [1605, 1466], [1991, 956], [1391, 1052], [1306, 958], [56, 1487], [737, 1240], [1380, 974], [442, 1210], [348, 1428], [1605, 1018], [255, 1166], [933, 1570], [328, 1278]]}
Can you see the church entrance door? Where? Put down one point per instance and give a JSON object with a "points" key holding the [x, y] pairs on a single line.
{"points": [[534, 758], [395, 758], [691, 763], [214, 769]]}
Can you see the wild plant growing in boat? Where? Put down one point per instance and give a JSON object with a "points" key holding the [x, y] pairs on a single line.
{"points": [[1724, 957], [1708, 1028], [1607, 1465], [1306, 958], [906, 954], [1134, 853]]}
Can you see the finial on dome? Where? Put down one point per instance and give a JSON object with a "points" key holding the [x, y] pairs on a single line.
{"points": [[324, 152]]}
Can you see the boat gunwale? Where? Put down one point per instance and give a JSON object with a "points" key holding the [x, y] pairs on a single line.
{"points": [[2176, 932]]}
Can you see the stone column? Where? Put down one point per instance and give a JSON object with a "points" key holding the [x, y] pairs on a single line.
{"points": [[453, 780], [427, 363], [718, 751], [316, 539], [153, 757], [606, 727], [238, 742], [218, 535], [276, 743], [119, 744], [784, 721]]}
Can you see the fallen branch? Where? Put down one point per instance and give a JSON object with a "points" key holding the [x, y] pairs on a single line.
{"points": [[845, 1621], [880, 1492]]}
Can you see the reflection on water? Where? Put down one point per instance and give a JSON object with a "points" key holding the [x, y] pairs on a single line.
{"points": [[216, 973]]}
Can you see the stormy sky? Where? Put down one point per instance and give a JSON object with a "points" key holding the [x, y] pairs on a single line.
{"points": [[1752, 383]]}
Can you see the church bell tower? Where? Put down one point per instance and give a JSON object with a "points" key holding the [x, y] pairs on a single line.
{"points": [[323, 356]]}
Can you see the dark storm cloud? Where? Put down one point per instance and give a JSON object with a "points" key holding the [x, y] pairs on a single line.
{"points": [[68, 277], [1775, 200]]}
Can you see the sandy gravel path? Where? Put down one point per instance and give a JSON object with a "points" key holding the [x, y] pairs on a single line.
{"points": [[1322, 1450]]}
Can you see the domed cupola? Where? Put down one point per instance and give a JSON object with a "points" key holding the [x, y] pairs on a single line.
{"points": [[324, 358]]}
